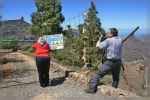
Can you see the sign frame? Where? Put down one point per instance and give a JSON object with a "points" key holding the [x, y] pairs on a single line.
{"points": [[55, 41]]}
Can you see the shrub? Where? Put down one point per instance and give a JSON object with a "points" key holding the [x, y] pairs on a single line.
{"points": [[31, 50]]}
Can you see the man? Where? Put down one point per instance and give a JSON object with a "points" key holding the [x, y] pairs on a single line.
{"points": [[113, 48]]}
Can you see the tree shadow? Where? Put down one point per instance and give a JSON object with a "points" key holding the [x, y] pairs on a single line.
{"points": [[60, 80]]}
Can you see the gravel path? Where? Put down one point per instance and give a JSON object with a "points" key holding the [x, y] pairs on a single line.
{"points": [[24, 81]]}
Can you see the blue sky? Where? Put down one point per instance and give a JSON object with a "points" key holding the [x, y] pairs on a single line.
{"points": [[122, 14]]}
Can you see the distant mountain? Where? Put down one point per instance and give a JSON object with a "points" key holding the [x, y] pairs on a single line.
{"points": [[135, 49], [11, 27], [125, 32], [145, 38], [75, 32]]}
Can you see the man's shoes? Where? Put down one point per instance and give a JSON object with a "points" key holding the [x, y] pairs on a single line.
{"points": [[91, 91]]}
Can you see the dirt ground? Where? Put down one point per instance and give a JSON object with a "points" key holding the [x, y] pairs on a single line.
{"points": [[19, 81]]}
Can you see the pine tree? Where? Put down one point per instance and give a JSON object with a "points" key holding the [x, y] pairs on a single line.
{"points": [[91, 27], [68, 33], [0, 12], [69, 38], [48, 17], [0, 19]]}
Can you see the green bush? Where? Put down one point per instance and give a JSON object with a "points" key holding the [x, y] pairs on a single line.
{"points": [[31, 50], [27, 48], [11, 45], [67, 57], [7, 46]]}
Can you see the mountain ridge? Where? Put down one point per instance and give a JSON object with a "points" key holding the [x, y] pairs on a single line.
{"points": [[17, 26]]}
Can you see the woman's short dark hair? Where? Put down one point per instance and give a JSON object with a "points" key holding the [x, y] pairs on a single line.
{"points": [[114, 31]]}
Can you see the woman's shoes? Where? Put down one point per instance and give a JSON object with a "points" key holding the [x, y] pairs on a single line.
{"points": [[44, 85]]}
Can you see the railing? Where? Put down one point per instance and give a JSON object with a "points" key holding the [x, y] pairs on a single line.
{"points": [[17, 40]]}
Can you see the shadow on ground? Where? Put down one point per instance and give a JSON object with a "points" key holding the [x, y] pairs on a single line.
{"points": [[8, 60], [57, 81]]}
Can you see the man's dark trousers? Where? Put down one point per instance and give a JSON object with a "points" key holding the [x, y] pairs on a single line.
{"points": [[43, 65], [113, 66]]}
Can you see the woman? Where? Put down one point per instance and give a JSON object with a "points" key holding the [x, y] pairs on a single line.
{"points": [[42, 60]]}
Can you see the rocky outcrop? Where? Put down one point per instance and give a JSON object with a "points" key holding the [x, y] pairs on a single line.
{"points": [[110, 91]]}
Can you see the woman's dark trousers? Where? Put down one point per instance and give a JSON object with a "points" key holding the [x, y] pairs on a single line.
{"points": [[43, 65]]}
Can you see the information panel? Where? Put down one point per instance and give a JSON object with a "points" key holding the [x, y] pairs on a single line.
{"points": [[55, 41]]}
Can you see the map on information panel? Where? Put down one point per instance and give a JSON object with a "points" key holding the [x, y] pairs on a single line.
{"points": [[55, 41]]}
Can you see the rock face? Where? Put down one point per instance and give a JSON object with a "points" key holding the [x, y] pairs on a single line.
{"points": [[14, 26], [81, 78], [84, 78], [17, 28]]}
